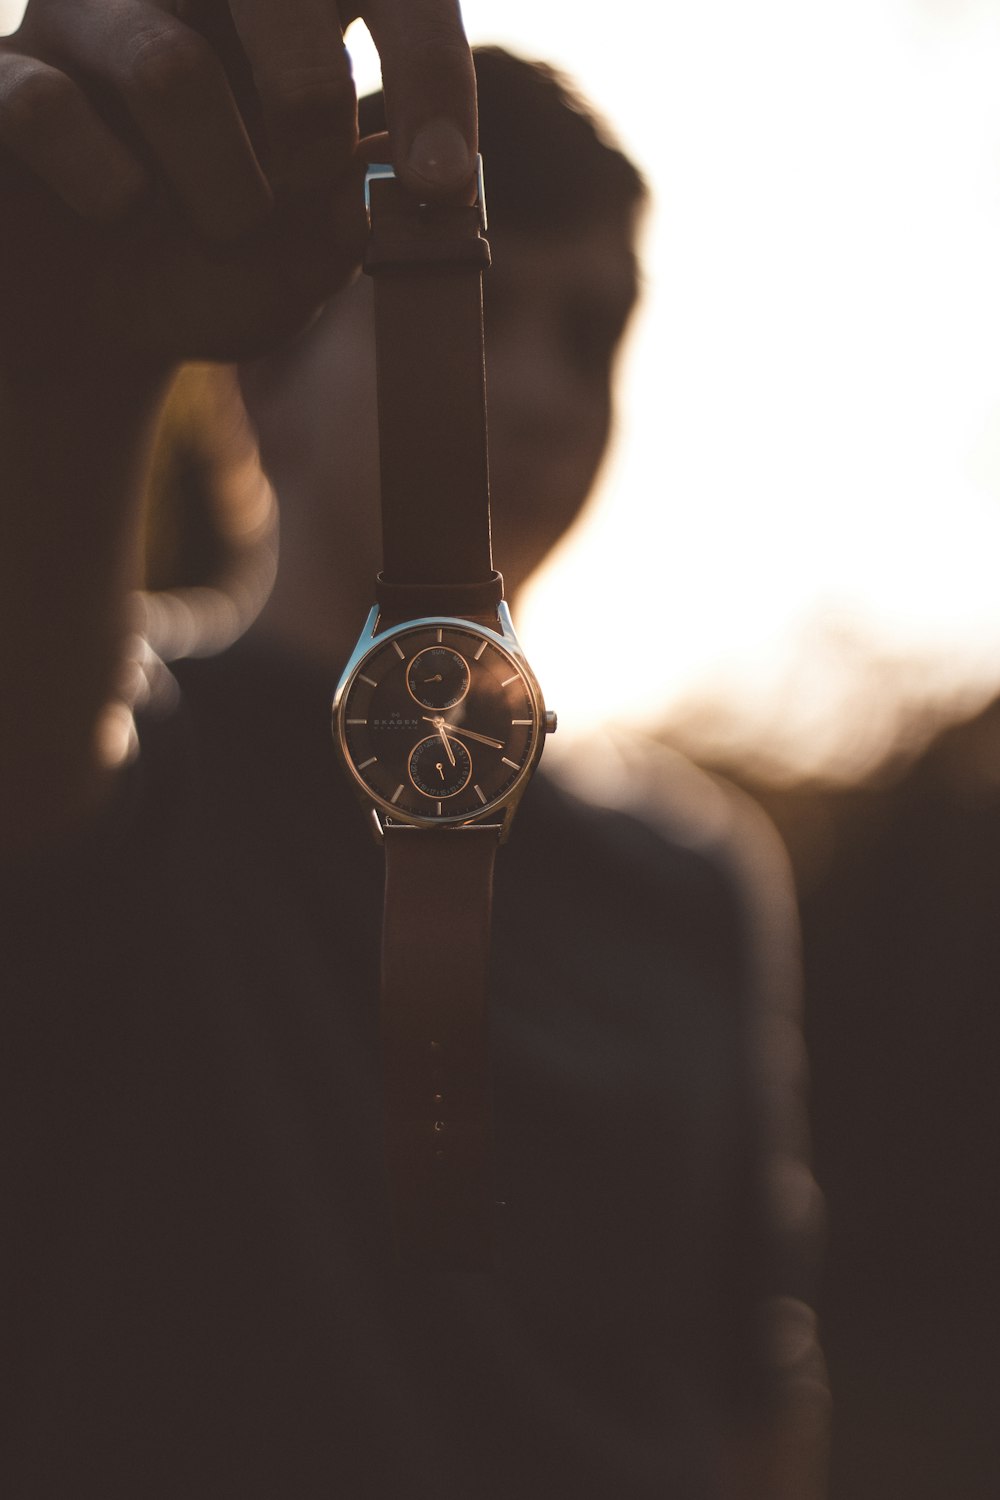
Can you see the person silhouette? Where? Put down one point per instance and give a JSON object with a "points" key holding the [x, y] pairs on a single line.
{"points": [[202, 1298]]}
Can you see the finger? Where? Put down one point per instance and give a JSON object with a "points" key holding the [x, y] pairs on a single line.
{"points": [[430, 92], [302, 74], [49, 127], [178, 98]]}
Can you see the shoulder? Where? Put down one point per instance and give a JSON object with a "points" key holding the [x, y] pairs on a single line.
{"points": [[635, 801], [721, 905]]}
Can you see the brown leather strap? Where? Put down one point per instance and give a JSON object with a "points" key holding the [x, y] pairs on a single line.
{"points": [[435, 959], [410, 601], [427, 262]]}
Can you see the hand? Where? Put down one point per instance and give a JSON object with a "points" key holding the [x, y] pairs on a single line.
{"points": [[181, 179], [439, 726]]}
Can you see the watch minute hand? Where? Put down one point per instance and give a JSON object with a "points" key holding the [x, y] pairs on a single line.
{"points": [[470, 734]]}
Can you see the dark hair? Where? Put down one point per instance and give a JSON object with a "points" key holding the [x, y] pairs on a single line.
{"points": [[551, 167], [551, 164]]}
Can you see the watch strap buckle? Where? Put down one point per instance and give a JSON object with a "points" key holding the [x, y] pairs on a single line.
{"points": [[381, 171]]}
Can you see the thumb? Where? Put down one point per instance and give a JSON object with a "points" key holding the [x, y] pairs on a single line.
{"points": [[430, 93]]}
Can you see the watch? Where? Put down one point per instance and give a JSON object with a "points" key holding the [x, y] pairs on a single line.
{"points": [[438, 719]]}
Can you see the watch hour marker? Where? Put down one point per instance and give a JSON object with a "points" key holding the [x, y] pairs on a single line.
{"points": [[440, 636], [516, 721], [399, 650], [370, 680], [477, 654], [439, 809], [508, 680], [512, 763], [398, 792], [357, 721], [369, 762], [479, 793]]}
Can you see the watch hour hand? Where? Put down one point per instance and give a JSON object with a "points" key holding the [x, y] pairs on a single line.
{"points": [[439, 725]]}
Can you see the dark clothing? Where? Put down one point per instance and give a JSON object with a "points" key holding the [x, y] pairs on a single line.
{"points": [[902, 945], [199, 1297]]}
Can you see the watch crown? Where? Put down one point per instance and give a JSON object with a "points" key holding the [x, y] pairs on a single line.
{"points": [[551, 720]]}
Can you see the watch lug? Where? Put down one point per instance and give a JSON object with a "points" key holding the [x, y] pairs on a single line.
{"points": [[368, 631], [507, 812], [507, 625], [361, 645]]}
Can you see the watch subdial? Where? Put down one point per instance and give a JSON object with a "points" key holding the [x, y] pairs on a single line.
{"points": [[438, 677], [437, 773]]}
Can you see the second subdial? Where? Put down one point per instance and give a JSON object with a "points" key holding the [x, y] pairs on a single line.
{"points": [[436, 772]]}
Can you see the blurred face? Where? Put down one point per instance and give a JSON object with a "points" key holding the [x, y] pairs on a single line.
{"points": [[555, 310]]}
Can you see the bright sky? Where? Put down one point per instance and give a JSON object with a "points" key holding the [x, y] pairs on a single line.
{"points": [[807, 483], [797, 540]]}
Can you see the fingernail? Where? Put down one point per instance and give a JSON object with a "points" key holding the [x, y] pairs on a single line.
{"points": [[440, 155]]}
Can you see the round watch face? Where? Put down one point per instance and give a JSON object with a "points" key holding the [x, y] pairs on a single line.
{"points": [[439, 722]]}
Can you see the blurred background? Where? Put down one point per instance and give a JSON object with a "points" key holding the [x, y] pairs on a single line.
{"points": [[797, 528], [792, 564]]}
